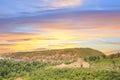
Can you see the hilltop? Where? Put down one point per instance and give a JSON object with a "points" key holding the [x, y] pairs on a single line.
{"points": [[81, 52]]}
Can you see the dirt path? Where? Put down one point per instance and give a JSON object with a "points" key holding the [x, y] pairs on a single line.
{"points": [[80, 63]]}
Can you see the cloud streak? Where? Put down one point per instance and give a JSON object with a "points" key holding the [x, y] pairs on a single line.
{"points": [[53, 24], [66, 20]]}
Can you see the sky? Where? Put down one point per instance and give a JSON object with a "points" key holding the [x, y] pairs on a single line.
{"points": [[28, 25]]}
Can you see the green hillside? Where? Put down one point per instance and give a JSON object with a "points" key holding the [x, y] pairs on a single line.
{"points": [[81, 52], [105, 68], [10, 70]]}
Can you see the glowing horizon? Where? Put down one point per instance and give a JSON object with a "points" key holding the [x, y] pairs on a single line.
{"points": [[57, 24]]}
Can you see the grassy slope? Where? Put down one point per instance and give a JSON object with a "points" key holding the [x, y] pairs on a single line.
{"points": [[74, 74], [108, 62], [10, 70], [40, 71], [82, 52], [104, 64]]}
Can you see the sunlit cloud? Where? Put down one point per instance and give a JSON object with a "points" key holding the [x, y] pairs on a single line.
{"points": [[56, 4], [57, 24]]}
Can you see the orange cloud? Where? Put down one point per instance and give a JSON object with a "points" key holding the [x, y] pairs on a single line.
{"points": [[63, 31]]}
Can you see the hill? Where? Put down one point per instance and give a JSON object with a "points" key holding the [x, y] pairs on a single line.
{"points": [[81, 52], [94, 67], [62, 54]]}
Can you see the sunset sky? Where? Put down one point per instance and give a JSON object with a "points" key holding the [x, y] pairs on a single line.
{"points": [[27, 25]]}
